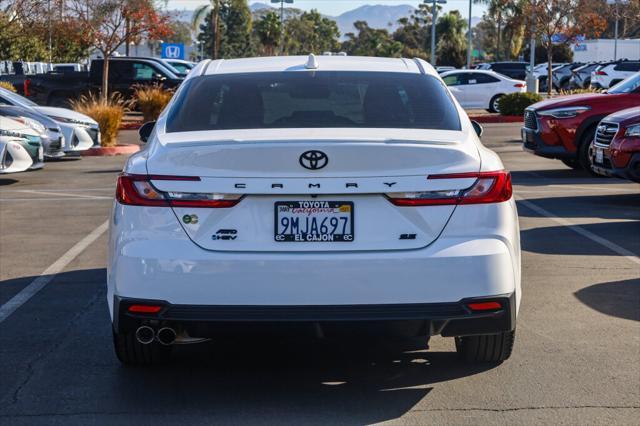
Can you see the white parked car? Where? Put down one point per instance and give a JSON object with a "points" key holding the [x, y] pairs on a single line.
{"points": [[180, 65], [609, 74], [20, 147], [481, 88], [80, 131], [542, 69], [334, 193]]}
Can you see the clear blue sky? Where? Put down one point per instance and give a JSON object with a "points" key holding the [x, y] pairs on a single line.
{"points": [[336, 7]]}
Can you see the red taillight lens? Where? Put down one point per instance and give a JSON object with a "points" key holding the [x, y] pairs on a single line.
{"points": [[484, 306], [519, 85], [601, 73], [489, 187], [145, 309], [137, 190]]}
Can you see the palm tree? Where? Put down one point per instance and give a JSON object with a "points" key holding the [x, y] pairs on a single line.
{"points": [[496, 9], [452, 45], [200, 14], [269, 30]]}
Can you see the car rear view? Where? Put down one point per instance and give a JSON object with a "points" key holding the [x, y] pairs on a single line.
{"points": [[326, 193]]}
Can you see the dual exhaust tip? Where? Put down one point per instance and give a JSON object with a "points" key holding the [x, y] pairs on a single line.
{"points": [[146, 335]]}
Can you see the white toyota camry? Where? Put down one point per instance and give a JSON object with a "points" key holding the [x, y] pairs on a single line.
{"points": [[322, 194]]}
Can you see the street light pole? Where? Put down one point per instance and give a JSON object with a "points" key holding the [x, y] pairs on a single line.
{"points": [[469, 39], [49, 13], [615, 42], [434, 19], [532, 81], [434, 15], [282, 2]]}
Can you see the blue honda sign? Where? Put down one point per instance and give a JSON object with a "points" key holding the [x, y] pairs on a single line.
{"points": [[172, 51]]}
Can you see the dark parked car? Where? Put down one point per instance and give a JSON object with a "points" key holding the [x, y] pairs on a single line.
{"points": [[615, 151], [562, 75], [515, 70], [56, 89], [581, 76], [564, 127]]}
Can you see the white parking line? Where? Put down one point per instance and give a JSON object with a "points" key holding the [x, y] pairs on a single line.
{"points": [[55, 199], [49, 274], [627, 254], [62, 194]]}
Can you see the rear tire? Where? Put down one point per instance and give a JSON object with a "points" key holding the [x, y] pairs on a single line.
{"points": [[494, 103], [493, 348], [131, 352]]}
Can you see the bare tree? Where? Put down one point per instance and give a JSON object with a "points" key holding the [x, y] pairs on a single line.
{"points": [[562, 21], [108, 24]]}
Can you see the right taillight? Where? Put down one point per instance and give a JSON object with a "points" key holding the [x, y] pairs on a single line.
{"points": [[601, 73], [137, 190], [489, 187]]}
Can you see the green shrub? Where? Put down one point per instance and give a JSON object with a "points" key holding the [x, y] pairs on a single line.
{"points": [[515, 103]]}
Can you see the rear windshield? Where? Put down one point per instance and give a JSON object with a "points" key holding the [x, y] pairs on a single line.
{"points": [[312, 100]]}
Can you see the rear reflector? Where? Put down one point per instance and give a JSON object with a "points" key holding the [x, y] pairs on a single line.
{"points": [[484, 306], [145, 309], [137, 190], [489, 187]]}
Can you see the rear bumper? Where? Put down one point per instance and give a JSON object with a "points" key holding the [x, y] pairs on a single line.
{"points": [[151, 258], [446, 319]]}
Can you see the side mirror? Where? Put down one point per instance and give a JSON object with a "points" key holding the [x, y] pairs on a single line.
{"points": [[145, 131], [477, 127]]}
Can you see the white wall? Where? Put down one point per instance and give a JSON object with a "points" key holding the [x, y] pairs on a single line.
{"points": [[602, 50]]}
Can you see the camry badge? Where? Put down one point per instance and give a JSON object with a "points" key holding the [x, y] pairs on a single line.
{"points": [[313, 160]]}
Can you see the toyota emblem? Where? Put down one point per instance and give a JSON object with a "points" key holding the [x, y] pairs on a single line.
{"points": [[313, 160]]}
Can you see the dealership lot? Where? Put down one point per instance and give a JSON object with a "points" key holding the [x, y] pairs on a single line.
{"points": [[576, 358]]}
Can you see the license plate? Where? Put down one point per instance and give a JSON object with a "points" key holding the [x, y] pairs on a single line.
{"points": [[314, 221], [599, 155]]}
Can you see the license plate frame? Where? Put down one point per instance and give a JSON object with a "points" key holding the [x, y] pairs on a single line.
{"points": [[324, 237], [599, 157]]}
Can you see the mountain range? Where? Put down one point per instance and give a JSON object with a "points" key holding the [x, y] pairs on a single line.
{"points": [[377, 15]]}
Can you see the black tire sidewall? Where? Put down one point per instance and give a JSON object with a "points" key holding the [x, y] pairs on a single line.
{"points": [[583, 149], [492, 102]]}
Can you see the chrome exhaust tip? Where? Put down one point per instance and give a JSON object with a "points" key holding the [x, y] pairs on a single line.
{"points": [[166, 336], [145, 334]]}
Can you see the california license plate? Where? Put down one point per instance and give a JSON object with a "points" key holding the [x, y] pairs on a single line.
{"points": [[314, 221], [599, 155]]}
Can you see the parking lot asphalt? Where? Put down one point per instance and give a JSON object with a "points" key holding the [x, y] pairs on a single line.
{"points": [[576, 358]]}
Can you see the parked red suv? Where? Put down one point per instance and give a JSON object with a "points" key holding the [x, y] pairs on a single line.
{"points": [[564, 127], [615, 151]]}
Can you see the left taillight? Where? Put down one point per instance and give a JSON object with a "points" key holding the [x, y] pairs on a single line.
{"points": [[489, 187], [137, 190]]}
